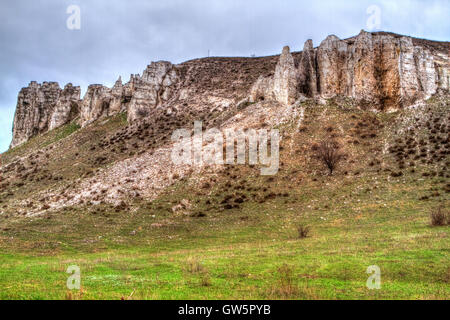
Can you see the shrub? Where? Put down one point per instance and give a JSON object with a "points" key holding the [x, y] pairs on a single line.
{"points": [[175, 176], [396, 174], [328, 152], [142, 113], [195, 267], [439, 217], [205, 280], [303, 231]]}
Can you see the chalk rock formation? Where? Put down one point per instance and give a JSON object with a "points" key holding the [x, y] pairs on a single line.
{"points": [[308, 70], [118, 97], [43, 107], [331, 59], [283, 86], [137, 97], [285, 79], [95, 104], [153, 89], [383, 70], [100, 101], [380, 70], [67, 107]]}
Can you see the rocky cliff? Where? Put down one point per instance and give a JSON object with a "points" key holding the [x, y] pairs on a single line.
{"points": [[43, 107], [137, 97], [380, 70]]}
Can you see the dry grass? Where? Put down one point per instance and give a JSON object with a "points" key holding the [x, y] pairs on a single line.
{"points": [[287, 287], [194, 266]]}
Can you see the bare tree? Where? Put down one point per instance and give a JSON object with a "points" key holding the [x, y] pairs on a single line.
{"points": [[329, 153]]}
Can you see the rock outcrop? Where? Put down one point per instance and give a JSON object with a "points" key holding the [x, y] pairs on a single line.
{"points": [[308, 70], [283, 86], [153, 89], [285, 79], [101, 101], [95, 104], [43, 107], [67, 107], [382, 70], [137, 97]]}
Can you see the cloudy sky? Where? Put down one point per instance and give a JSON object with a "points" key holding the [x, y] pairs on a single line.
{"points": [[119, 37]]}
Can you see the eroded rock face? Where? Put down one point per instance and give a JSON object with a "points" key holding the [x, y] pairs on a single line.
{"points": [[154, 88], [382, 70], [283, 86], [43, 107], [262, 89], [118, 97], [307, 72], [67, 107], [137, 97], [331, 59], [100, 101], [95, 104]]}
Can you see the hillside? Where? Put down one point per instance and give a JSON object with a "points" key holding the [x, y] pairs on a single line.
{"points": [[91, 182]]}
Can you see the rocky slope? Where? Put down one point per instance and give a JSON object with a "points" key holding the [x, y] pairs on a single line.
{"points": [[381, 70], [122, 151]]}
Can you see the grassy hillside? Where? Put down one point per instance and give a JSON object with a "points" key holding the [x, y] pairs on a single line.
{"points": [[230, 233]]}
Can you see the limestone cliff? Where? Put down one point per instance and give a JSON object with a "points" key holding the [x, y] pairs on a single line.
{"points": [[153, 89], [383, 70], [43, 107], [137, 97], [380, 70], [282, 87]]}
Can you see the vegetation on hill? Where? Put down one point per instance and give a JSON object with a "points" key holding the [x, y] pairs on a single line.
{"points": [[229, 233]]}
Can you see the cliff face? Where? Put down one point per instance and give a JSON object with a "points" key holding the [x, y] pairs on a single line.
{"points": [[137, 97], [381, 70], [43, 107], [154, 88]]}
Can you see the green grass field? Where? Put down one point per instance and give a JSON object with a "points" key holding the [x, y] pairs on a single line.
{"points": [[252, 253], [360, 217]]}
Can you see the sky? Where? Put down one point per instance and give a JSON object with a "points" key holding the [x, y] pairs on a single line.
{"points": [[43, 41]]}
